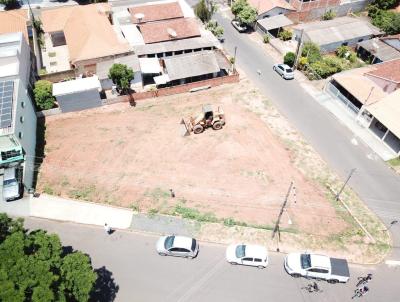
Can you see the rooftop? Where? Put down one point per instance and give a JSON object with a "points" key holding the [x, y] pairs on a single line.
{"points": [[263, 6], [103, 67], [174, 29], [87, 30], [338, 29], [14, 21], [387, 111], [191, 65], [156, 12], [76, 85], [380, 49], [275, 22], [10, 47], [389, 70]]}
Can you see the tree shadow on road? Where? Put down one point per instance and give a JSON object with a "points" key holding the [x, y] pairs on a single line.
{"points": [[105, 288]]}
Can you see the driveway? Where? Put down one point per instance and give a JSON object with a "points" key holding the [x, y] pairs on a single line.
{"points": [[373, 180]]}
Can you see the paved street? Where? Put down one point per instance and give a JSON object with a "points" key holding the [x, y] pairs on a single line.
{"points": [[142, 275], [377, 185]]}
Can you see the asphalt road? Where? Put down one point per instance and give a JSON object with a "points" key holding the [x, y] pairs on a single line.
{"points": [[377, 184], [141, 275]]}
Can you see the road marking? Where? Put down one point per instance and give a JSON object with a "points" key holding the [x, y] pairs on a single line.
{"points": [[392, 263]]}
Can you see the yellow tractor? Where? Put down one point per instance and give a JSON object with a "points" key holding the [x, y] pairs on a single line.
{"points": [[208, 118]]}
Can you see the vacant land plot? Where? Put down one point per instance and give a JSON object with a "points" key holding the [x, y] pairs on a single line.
{"points": [[132, 156]]}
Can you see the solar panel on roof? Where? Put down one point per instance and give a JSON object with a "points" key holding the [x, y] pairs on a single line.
{"points": [[6, 98]]}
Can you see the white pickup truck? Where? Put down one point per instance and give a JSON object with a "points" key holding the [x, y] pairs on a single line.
{"points": [[315, 266]]}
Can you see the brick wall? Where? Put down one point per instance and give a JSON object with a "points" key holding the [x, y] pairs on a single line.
{"points": [[176, 89], [58, 76]]}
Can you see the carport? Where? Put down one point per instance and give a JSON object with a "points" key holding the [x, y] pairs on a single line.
{"points": [[272, 25]]}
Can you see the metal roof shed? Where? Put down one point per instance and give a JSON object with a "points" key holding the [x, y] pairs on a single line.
{"points": [[191, 65], [380, 50], [78, 94], [274, 22]]}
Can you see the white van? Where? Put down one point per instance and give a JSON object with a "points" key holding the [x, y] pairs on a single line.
{"points": [[11, 187]]}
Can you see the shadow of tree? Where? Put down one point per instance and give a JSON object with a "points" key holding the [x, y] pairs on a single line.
{"points": [[105, 288]]}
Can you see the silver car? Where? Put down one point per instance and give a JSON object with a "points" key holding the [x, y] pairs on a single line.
{"points": [[238, 26], [284, 70], [178, 246]]}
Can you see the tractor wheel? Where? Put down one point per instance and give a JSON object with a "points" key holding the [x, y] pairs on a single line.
{"points": [[198, 129], [217, 126]]}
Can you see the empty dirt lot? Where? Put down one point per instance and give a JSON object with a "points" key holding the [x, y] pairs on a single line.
{"points": [[132, 156]]}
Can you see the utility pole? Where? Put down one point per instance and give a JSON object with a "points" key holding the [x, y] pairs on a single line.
{"points": [[345, 183], [299, 44], [234, 59], [276, 229]]}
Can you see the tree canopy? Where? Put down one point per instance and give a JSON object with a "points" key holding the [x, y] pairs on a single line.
{"points": [[205, 11], [34, 268], [386, 4], [388, 21], [217, 30], [43, 93], [9, 3], [238, 6], [247, 15], [121, 75]]}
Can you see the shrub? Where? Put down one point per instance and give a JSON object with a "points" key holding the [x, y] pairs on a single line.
{"points": [[285, 35], [343, 51], [327, 66], [216, 30], [247, 15], [329, 15], [302, 62], [43, 94], [121, 75], [266, 39], [388, 21], [311, 52], [289, 58], [203, 11], [238, 6]]}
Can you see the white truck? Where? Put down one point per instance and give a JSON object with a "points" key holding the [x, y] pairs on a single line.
{"points": [[320, 267]]}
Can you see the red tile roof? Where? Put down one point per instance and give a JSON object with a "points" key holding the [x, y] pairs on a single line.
{"points": [[156, 12], [176, 29], [389, 70], [14, 21]]}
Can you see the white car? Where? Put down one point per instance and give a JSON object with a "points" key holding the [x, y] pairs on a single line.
{"points": [[252, 255], [285, 71], [315, 266], [178, 246], [239, 27]]}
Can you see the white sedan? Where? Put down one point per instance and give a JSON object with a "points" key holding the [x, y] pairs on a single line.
{"points": [[284, 70], [252, 255], [178, 246]]}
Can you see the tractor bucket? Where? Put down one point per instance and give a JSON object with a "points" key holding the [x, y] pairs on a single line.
{"points": [[185, 127]]}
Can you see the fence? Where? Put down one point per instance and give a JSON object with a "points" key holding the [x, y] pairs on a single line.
{"points": [[332, 90], [234, 78], [56, 77]]}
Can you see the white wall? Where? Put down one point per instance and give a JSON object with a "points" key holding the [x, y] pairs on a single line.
{"points": [[273, 12]]}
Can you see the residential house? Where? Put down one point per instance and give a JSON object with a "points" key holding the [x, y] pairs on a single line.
{"points": [[379, 50], [331, 34], [371, 94], [79, 37], [270, 8], [17, 20], [307, 10], [17, 113]]}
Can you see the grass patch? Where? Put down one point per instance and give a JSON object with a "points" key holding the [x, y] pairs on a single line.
{"points": [[47, 189], [395, 162], [52, 54], [194, 214], [83, 193]]}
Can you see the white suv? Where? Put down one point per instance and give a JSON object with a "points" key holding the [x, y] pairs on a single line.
{"points": [[284, 70], [244, 254]]}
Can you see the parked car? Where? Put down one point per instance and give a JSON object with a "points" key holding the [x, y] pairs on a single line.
{"points": [[316, 266], [11, 186], [252, 255], [284, 70], [178, 246], [238, 26]]}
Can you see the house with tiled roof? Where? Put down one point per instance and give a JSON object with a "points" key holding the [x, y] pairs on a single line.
{"points": [[78, 37], [372, 95], [13, 21], [155, 12]]}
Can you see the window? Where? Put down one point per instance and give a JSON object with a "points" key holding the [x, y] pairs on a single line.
{"points": [[240, 251], [168, 53], [318, 270], [21, 119], [345, 43], [23, 104], [360, 40], [257, 260], [248, 259], [305, 260], [20, 135]]}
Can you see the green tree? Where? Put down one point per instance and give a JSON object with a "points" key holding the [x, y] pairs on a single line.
{"points": [[44, 95], [311, 51], [121, 75], [343, 51], [9, 3], [34, 268], [238, 6], [248, 15], [285, 35], [289, 58], [386, 4], [387, 21], [217, 30], [205, 11]]}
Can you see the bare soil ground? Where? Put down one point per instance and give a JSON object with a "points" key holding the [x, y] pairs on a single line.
{"points": [[132, 156]]}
